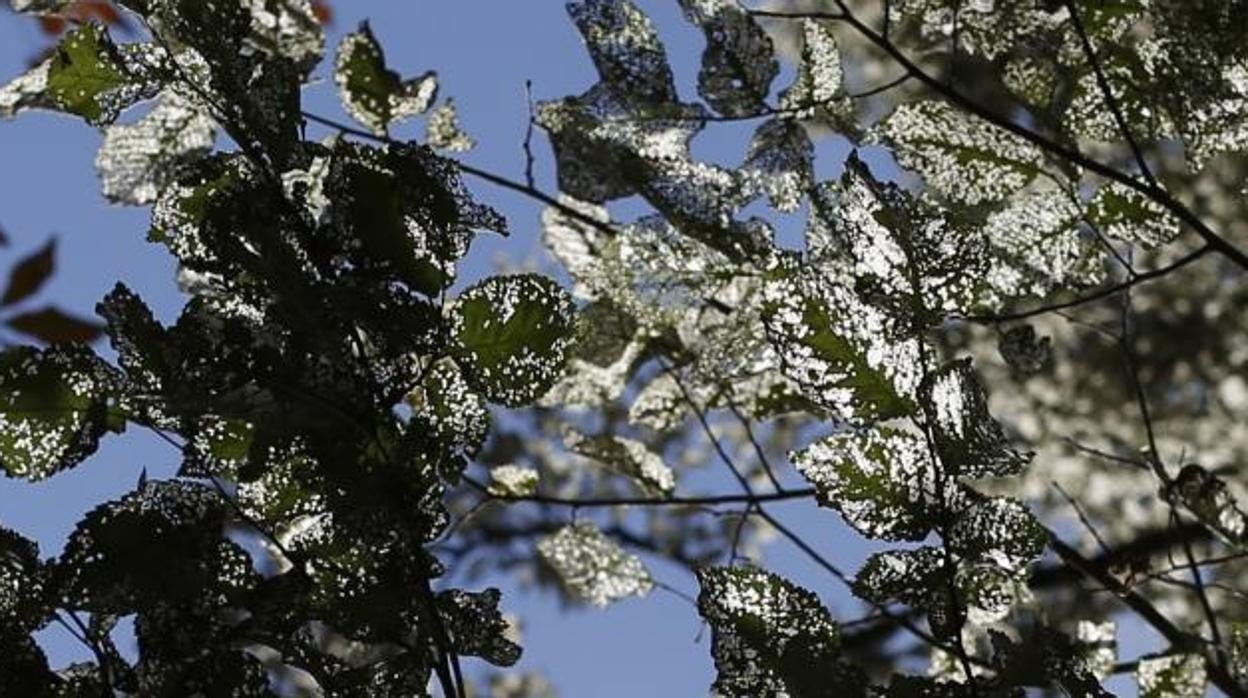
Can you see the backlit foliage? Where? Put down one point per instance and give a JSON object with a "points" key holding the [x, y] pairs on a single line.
{"points": [[1010, 344]]}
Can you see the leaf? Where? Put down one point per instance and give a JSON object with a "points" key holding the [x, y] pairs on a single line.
{"points": [[838, 350], [1038, 245], [30, 274], [1125, 214], [513, 481], [781, 156], [88, 76], [739, 62], [511, 334], [964, 158], [771, 637], [592, 567], [24, 602], [55, 327], [910, 576], [628, 457], [1172, 676], [971, 443], [626, 50], [477, 626], [1025, 352], [55, 404], [138, 160], [106, 563], [817, 91], [373, 94], [882, 480], [998, 530], [24, 667], [1046, 658], [449, 412], [1210, 499], [442, 131]]}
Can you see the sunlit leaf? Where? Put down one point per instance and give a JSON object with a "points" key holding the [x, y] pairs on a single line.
{"points": [[374, 94], [443, 132], [592, 567], [883, 481], [1172, 676], [969, 440], [55, 405], [137, 160]]}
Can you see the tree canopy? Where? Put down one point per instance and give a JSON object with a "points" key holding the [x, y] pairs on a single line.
{"points": [[1008, 349]]}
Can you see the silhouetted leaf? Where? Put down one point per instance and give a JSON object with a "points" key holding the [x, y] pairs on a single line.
{"points": [[30, 274], [739, 62], [55, 327]]}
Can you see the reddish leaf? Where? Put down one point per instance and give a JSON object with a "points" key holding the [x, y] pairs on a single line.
{"points": [[324, 13], [52, 25], [53, 326], [30, 274]]}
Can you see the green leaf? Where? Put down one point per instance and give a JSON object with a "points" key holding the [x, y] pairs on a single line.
{"points": [[831, 344], [373, 94], [971, 443], [30, 274], [1125, 214], [915, 577], [592, 567], [88, 76], [449, 412], [817, 92], [511, 334], [106, 563], [477, 626], [882, 480], [55, 404], [739, 62], [24, 602], [771, 637], [998, 530], [964, 158], [137, 161], [1172, 676]]}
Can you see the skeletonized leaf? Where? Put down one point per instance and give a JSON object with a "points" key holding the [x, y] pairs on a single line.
{"points": [[970, 441], [1172, 676], [628, 457], [739, 62], [55, 404], [477, 626], [374, 94], [442, 131], [511, 334], [87, 75], [840, 350], [106, 563], [964, 158], [513, 481], [999, 530], [30, 274], [592, 567], [771, 637], [1123, 213], [818, 90], [882, 480], [137, 160], [626, 50], [781, 157]]}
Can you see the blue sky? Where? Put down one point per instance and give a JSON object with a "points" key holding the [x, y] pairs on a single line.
{"points": [[484, 52]]}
